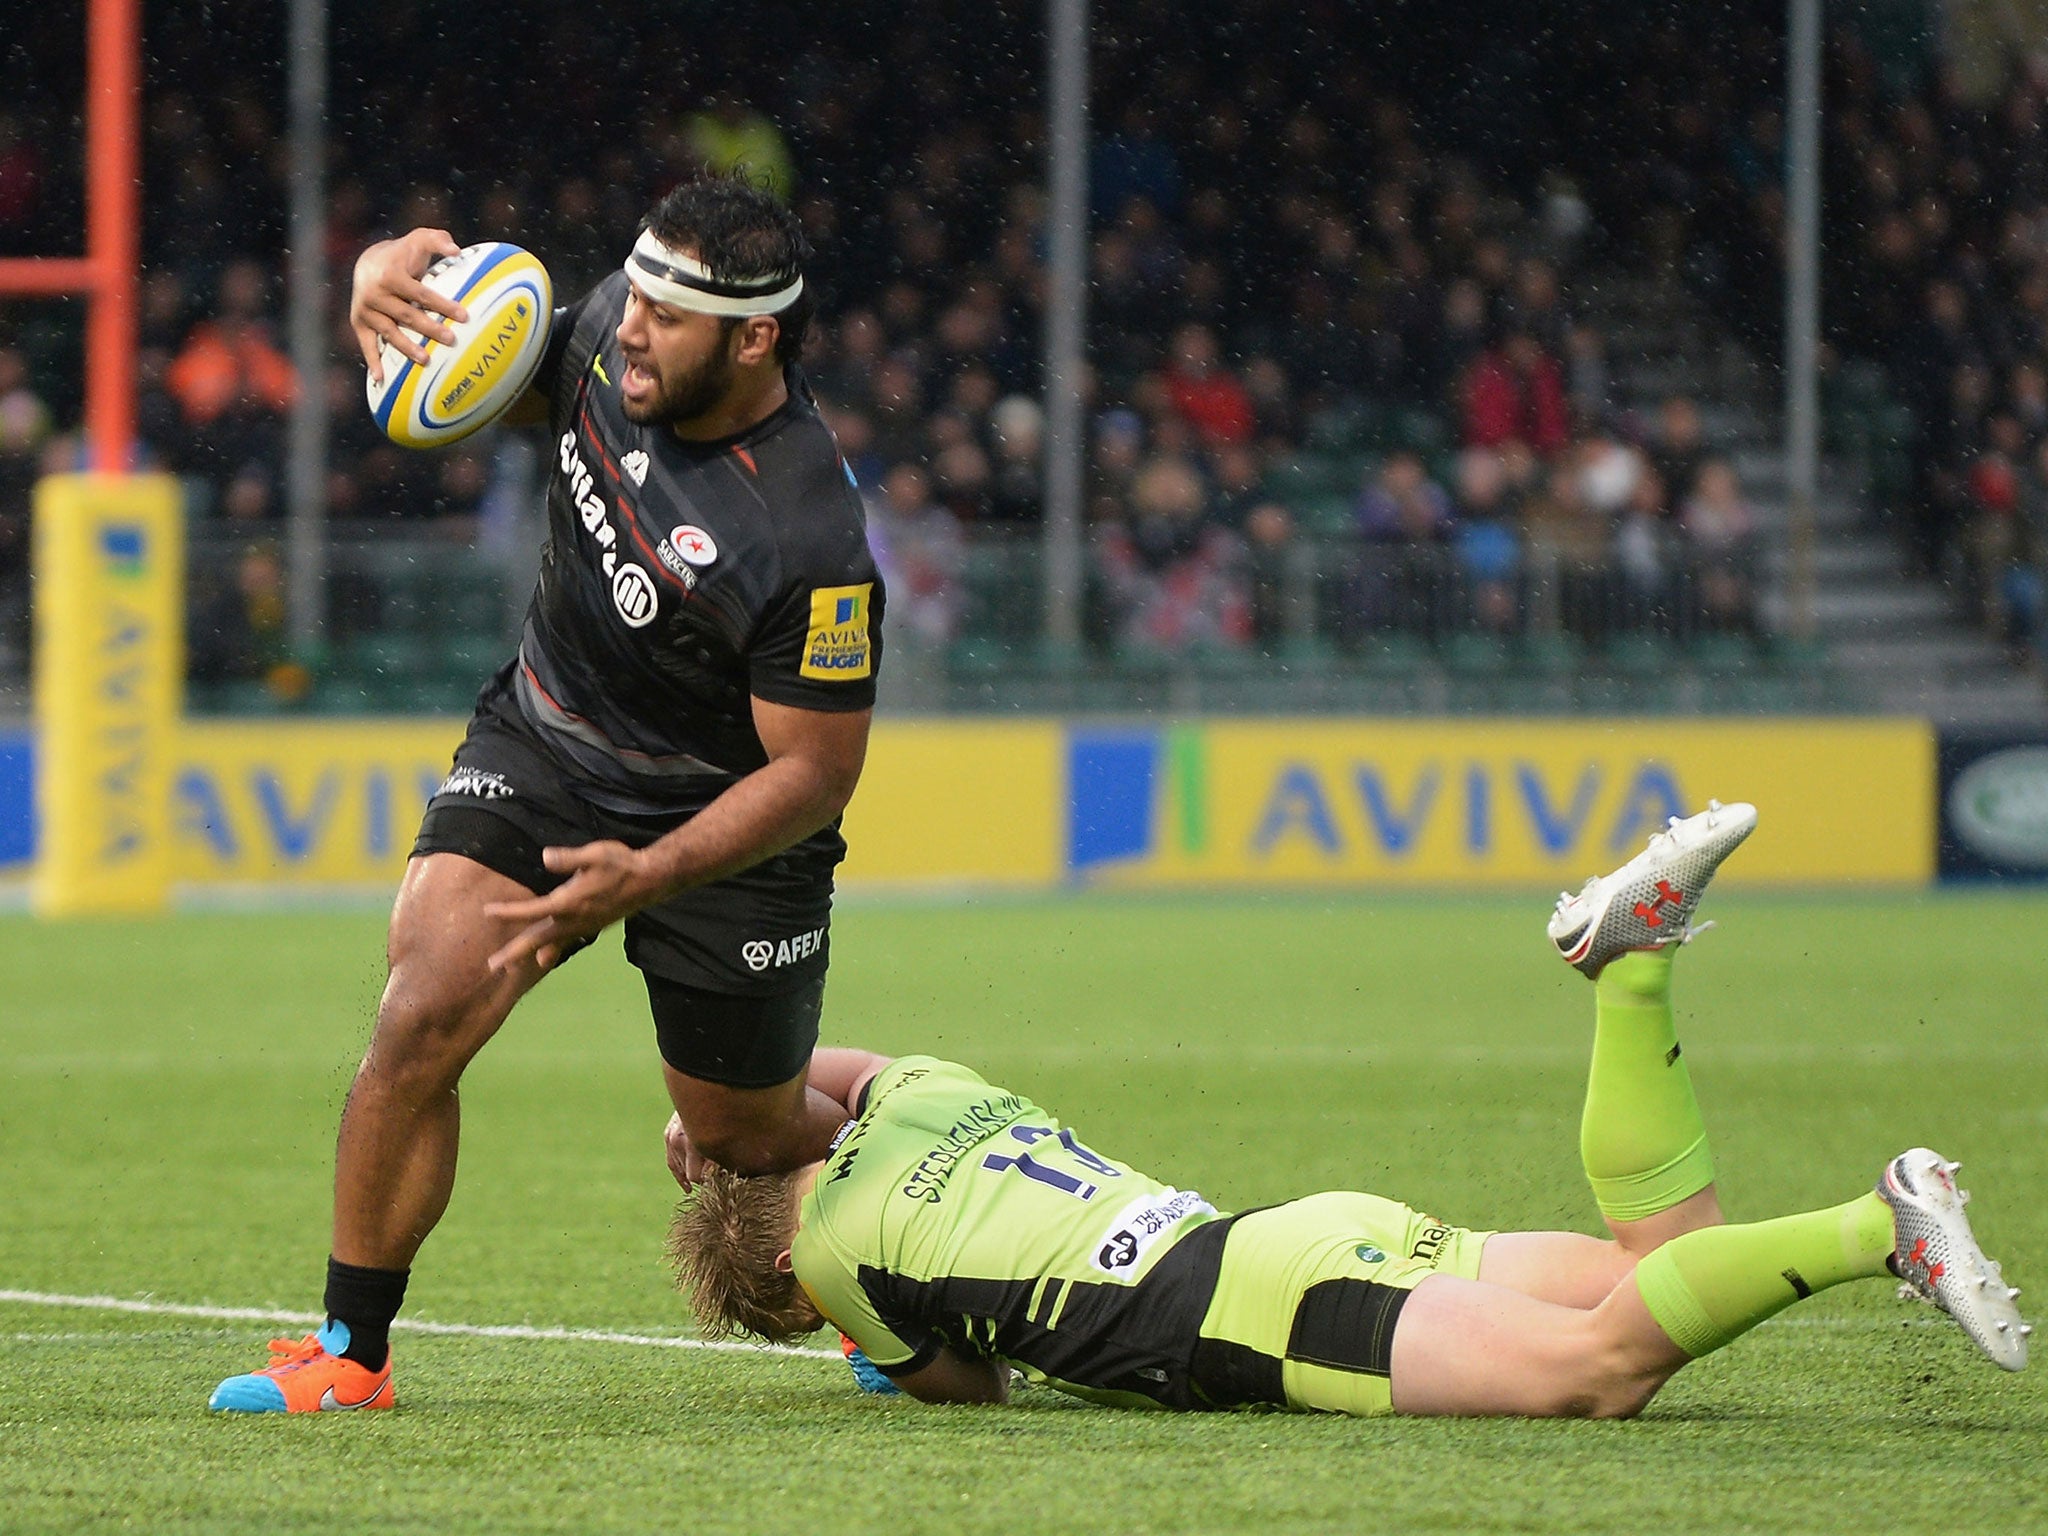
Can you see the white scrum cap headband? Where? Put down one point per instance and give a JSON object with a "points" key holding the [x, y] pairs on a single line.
{"points": [[667, 276]]}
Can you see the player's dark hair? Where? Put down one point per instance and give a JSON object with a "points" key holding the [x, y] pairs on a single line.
{"points": [[723, 1244], [744, 235]]}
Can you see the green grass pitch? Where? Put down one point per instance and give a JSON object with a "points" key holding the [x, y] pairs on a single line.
{"points": [[168, 1093]]}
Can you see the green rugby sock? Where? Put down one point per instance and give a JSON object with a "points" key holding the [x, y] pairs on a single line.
{"points": [[1641, 1139], [1709, 1286]]}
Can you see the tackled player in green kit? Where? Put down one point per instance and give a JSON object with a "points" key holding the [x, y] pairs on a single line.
{"points": [[957, 1231]]}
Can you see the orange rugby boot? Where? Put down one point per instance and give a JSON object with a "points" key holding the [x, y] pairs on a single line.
{"points": [[309, 1376]]}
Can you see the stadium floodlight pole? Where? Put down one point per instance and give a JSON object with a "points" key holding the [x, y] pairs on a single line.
{"points": [[1066, 315], [1802, 305], [306, 461]]}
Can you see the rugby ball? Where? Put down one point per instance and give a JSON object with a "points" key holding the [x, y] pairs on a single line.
{"points": [[464, 387]]}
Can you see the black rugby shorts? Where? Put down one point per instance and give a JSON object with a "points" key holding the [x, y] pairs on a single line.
{"points": [[759, 940]]}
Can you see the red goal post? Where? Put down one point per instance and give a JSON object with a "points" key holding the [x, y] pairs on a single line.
{"points": [[106, 275]]}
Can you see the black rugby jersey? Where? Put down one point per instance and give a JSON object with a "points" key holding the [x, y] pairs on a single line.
{"points": [[680, 579]]}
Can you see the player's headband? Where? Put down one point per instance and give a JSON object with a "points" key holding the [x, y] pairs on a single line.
{"points": [[667, 276]]}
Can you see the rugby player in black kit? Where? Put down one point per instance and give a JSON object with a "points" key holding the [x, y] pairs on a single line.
{"points": [[672, 746]]}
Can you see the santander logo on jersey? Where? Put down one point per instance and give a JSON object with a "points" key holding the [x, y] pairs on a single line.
{"points": [[589, 505], [633, 590]]}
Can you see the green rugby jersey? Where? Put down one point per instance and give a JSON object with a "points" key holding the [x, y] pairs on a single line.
{"points": [[954, 1213]]}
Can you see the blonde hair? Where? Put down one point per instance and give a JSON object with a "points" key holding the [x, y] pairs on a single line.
{"points": [[723, 1243]]}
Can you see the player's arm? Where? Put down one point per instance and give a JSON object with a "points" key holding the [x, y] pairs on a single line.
{"points": [[957, 1378], [814, 762], [842, 1074]]}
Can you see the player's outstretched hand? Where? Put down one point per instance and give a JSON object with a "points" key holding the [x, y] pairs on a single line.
{"points": [[387, 297], [607, 881], [684, 1160]]}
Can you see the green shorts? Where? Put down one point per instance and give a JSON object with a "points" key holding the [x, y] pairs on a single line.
{"points": [[1308, 1296]]}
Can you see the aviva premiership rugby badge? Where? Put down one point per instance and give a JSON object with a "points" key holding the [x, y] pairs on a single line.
{"points": [[838, 645]]}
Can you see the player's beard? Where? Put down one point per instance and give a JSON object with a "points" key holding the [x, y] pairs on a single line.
{"points": [[688, 396]]}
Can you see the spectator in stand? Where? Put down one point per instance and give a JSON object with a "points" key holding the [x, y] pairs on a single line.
{"points": [[25, 431], [21, 188], [578, 249], [2024, 591], [1568, 542], [1117, 449], [1643, 554], [1400, 504], [1514, 392], [231, 381], [1203, 392], [1719, 531], [1586, 377], [855, 435], [1681, 446], [922, 553], [1537, 304], [1175, 580], [1268, 530], [726, 135], [962, 481], [1237, 480], [1403, 577], [462, 479], [843, 370], [238, 633], [1135, 160], [896, 406], [1950, 443], [1017, 490], [2026, 398], [249, 498], [1993, 537], [1276, 412], [1488, 541], [1458, 342]]}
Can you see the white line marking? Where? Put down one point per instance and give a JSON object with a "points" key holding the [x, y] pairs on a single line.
{"points": [[408, 1325]]}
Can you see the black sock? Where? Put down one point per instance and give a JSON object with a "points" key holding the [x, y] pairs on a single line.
{"points": [[366, 1300]]}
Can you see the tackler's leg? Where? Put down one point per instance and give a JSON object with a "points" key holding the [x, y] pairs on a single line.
{"points": [[1642, 1141]]}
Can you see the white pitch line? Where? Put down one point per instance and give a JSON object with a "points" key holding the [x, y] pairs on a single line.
{"points": [[406, 1324]]}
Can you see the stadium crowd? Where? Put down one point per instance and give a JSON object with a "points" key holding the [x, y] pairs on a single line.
{"points": [[1936, 266], [1343, 385]]}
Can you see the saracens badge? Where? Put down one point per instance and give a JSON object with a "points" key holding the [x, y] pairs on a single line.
{"points": [[693, 544]]}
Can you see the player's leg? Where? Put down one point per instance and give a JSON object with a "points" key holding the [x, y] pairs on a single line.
{"points": [[1469, 1349], [394, 1162], [736, 1070], [480, 842], [1710, 1286], [395, 1155], [1641, 1137], [1466, 1347], [735, 976], [1642, 1141]]}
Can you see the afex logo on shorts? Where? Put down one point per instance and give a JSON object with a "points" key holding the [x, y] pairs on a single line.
{"points": [[760, 954]]}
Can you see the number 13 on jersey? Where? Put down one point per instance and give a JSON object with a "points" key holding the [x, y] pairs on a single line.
{"points": [[1041, 1166]]}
